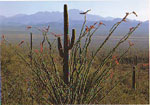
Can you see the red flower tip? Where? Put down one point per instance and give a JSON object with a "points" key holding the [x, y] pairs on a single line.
{"points": [[28, 27], [101, 23], [131, 28], [146, 64], [130, 43], [87, 29], [91, 27], [115, 58], [3, 36], [21, 42], [36, 51], [117, 62], [41, 47]]}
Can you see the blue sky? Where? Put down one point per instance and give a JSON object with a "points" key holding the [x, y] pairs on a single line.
{"points": [[113, 8]]}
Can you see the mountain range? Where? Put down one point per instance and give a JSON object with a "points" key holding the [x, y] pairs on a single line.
{"points": [[17, 23]]}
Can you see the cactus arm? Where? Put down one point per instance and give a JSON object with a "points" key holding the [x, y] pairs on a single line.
{"points": [[68, 41], [60, 49], [72, 39]]}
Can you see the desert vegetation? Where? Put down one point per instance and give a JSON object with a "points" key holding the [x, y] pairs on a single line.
{"points": [[66, 71]]}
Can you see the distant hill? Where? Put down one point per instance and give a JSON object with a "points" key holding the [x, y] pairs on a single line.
{"points": [[16, 24]]}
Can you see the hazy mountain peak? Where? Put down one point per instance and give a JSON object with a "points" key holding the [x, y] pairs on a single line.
{"points": [[75, 11], [42, 17], [19, 15]]}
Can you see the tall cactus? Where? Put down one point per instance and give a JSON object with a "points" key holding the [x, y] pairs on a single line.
{"points": [[64, 52]]}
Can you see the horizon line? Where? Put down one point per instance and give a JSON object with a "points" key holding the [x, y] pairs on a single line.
{"points": [[71, 9]]}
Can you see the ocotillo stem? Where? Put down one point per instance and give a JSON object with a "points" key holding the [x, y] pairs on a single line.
{"points": [[135, 60]]}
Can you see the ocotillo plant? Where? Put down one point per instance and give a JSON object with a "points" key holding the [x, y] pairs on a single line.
{"points": [[64, 53], [85, 84]]}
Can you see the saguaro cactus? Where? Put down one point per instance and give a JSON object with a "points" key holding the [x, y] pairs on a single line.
{"points": [[64, 52]]}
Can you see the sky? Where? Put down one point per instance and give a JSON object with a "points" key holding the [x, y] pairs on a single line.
{"points": [[105, 8]]}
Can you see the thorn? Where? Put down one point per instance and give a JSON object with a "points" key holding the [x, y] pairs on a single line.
{"points": [[28, 27]]}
